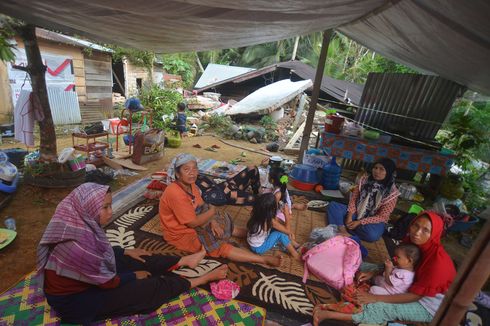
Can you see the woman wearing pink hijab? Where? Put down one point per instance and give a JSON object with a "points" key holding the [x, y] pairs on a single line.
{"points": [[85, 279]]}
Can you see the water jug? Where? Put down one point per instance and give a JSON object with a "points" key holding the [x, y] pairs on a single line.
{"points": [[331, 175]]}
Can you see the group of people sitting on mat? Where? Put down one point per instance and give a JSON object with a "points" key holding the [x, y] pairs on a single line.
{"points": [[86, 279]]}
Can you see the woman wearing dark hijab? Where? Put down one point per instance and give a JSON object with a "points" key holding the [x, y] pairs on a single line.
{"points": [[370, 204]]}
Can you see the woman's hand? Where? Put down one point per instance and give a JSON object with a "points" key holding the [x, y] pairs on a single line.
{"points": [[348, 218], [365, 298], [364, 276], [353, 224], [142, 274], [217, 229], [137, 253]]}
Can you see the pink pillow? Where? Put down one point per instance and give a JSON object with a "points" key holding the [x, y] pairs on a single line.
{"points": [[225, 289]]}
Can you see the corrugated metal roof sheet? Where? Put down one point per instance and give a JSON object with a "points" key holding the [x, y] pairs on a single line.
{"points": [[215, 73], [65, 108], [57, 37], [333, 87], [412, 105]]}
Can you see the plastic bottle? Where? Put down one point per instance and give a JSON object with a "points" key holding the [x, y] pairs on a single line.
{"points": [[331, 175], [10, 223]]}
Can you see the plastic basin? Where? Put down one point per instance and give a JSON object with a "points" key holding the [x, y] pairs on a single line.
{"points": [[305, 186], [461, 226], [305, 173]]}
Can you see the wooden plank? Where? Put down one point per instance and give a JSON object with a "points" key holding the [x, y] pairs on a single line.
{"points": [[99, 89], [99, 69], [98, 56], [291, 151], [296, 136], [95, 83], [98, 76], [112, 164], [127, 163], [98, 96], [79, 81], [93, 91], [97, 63], [79, 71]]}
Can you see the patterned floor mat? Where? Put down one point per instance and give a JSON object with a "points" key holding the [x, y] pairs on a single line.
{"points": [[280, 290], [302, 223], [24, 304]]}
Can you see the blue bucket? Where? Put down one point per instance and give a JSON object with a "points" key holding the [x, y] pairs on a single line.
{"points": [[461, 226], [305, 173]]}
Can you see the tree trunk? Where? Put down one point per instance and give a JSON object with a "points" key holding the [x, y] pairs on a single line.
{"points": [[37, 71]]}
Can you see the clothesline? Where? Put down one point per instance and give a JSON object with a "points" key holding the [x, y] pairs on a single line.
{"points": [[381, 112], [384, 131]]}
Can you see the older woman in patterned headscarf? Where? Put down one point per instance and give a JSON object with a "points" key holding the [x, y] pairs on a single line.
{"points": [[183, 211], [85, 279]]}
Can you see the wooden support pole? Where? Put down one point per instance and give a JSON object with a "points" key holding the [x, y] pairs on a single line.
{"points": [[315, 94], [471, 277]]}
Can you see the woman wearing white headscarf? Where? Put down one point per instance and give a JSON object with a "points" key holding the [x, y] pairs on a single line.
{"points": [[181, 213]]}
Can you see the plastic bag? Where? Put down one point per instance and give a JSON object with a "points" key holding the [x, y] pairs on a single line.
{"points": [[319, 235]]}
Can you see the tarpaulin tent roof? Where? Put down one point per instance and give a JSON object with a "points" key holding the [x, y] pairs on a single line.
{"points": [[448, 37]]}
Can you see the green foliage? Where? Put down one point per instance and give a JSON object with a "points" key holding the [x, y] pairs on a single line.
{"points": [[180, 64], [475, 197], [161, 101], [267, 122], [466, 132], [346, 59], [219, 123], [6, 49], [222, 57], [137, 57]]}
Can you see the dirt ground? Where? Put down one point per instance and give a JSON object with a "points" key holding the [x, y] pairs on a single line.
{"points": [[33, 207]]}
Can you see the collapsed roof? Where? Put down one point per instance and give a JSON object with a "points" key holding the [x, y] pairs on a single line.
{"points": [[448, 37]]}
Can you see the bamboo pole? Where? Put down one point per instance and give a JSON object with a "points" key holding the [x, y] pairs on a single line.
{"points": [[295, 49], [315, 94], [471, 276]]}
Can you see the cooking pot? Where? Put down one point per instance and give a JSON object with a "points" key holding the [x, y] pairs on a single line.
{"points": [[275, 162]]}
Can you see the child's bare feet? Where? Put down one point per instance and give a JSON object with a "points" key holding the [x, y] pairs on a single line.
{"points": [[319, 315], [273, 261], [192, 261], [295, 244], [217, 274]]}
